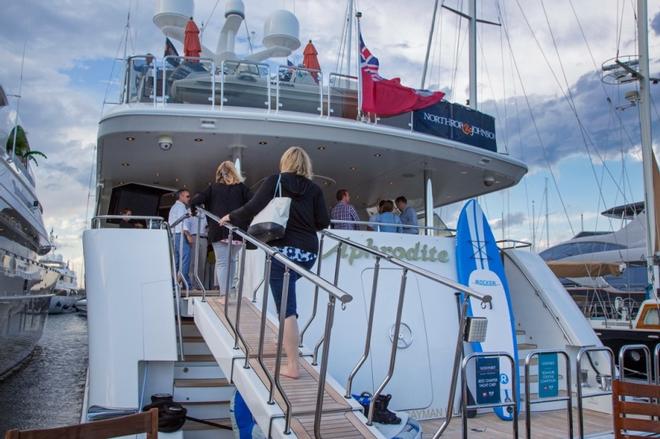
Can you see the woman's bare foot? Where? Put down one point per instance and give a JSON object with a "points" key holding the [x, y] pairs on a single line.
{"points": [[289, 374]]}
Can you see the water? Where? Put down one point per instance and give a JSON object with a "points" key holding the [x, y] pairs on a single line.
{"points": [[48, 390]]}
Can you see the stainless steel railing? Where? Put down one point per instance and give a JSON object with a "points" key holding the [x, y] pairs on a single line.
{"points": [[443, 230], [335, 295], [647, 360], [407, 268], [656, 356], [156, 222], [514, 389], [528, 395], [586, 351]]}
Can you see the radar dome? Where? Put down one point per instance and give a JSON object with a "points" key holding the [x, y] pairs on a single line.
{"points": [[173, 13], [234, 7], [281, 29]]}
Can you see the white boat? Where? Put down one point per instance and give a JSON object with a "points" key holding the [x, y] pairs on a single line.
{"points": [[66, 288], [388, 311], [25, 284]]}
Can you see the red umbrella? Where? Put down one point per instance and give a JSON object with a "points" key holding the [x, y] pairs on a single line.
{"points": [[191, 45], [310, 60]]}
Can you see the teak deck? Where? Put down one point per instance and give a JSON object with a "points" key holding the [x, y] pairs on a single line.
{"points": [[338, 419]]}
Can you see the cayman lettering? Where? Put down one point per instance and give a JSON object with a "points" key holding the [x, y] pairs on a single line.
{"points": [[466, 128]]}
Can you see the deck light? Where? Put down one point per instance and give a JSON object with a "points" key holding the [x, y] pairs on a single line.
{"points": [[157, 174], [353, 168], [378, 155], [130, 138], [126, 164], [165, 142], [464, 172], [199, 139], [321, 148], [263, 142], [176, 179]]}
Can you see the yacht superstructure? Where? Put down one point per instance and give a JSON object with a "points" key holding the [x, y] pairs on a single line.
{"points": [[380, 312], [25, 284], [66, 287]]}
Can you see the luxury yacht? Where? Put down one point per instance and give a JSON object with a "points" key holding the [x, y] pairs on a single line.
{"points": [[382, 313], [25, 283], [607, 278], [66, 288]]}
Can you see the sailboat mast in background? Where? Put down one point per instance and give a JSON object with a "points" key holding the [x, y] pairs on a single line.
{"points": [[647, 151]]}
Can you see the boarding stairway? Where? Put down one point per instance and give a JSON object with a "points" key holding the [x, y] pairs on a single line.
{"points": [[246, 343]]}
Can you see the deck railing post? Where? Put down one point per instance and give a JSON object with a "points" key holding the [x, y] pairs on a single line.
{"points": [[528, 393], [262, 327], [239, 300], [647, 359], [230, 240], [182, 236], [578, 373], [329, 319], [213, 86], [316, 293], [335, 282], [395, 346], [196, 260], [370, 322], [278, 355]]}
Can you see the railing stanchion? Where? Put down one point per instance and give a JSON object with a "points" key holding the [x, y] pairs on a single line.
{"points": [[395, 347], [528, 393], [458, 357], [578, 373], [335, 282], [230, 240], [262, 327], [316, 293], [370, 322], [656, 355], [647, 359], [278, 355], [213, 86], [239, 299], [329, 319]]}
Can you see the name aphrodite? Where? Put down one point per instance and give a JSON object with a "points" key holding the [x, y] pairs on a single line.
{"points": [[418, 252], [468, 129]]}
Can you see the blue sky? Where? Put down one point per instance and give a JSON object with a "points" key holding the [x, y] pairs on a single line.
{"points": [[71, 48]]}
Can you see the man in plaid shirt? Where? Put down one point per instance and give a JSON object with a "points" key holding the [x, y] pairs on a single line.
{"points": [[344, 211]]}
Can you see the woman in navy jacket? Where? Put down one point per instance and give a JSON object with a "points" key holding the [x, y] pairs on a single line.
{"points": [[307, 215]]}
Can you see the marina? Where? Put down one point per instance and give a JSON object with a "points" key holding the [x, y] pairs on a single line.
{"points": [[226, 294]]}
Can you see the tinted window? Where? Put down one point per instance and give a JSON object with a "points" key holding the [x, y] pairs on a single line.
{"points": [[578, 248], [652, 317], [3, 98]]}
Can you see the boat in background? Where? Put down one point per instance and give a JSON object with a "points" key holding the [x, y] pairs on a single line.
{"points": [[26, 284], [66, 289]]}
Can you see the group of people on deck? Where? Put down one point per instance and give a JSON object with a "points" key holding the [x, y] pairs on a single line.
{"points": [[345, 217], [232, 201]]}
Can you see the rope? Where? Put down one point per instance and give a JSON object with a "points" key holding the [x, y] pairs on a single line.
{"points": [[536, 128]]}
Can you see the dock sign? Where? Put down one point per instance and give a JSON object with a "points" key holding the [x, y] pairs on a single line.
{"points": [[488, 380], [548, 376]]}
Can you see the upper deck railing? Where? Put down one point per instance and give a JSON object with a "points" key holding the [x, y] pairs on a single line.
{"points": [[244, 84]]}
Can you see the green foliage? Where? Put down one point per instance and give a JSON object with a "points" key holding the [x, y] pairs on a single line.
{"points": [[22, 146]]}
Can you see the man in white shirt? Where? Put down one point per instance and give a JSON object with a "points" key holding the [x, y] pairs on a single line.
{"points": [[181, 232], [202, 236]]}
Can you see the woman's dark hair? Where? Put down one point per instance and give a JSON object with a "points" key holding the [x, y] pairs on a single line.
{"points": [[388, 206], [401, 199]]}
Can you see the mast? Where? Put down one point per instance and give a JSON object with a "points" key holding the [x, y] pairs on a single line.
{"points": [[349, 18], [428, 45], [547, 216], [647, 152], [472, 12]]}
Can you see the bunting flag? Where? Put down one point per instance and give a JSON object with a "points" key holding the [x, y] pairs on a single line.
{"points": [[170, 50], [388, 97]]}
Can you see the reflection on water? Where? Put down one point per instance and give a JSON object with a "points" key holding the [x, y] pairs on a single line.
{"points": [[48, 391]]}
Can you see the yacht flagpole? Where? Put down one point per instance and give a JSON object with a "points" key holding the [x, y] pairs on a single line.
{"points": [[358, 15], [647, 151]]}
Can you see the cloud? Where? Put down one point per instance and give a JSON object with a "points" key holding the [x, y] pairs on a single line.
{"points": [[511, 220]]}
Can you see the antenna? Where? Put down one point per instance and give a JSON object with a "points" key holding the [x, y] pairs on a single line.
{"points": [[18, 104]]}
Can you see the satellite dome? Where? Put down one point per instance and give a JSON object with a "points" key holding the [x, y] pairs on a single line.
{"points": [[173, 13], [281, 29], [235, 7]]}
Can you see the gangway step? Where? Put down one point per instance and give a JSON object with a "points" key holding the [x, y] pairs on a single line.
{"points": [[341, 417]]}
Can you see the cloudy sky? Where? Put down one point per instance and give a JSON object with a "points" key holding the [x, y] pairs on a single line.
{"points": [[539, 75]]}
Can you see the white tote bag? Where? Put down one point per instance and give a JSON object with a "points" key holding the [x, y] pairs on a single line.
{"points": [[270, 223]]}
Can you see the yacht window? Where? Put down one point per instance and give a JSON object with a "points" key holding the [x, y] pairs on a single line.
{"points": [[566, 250], [652, 316]]}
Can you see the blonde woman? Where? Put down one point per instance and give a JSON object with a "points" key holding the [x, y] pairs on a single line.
{"points": [[308, 214], [226, 194]]}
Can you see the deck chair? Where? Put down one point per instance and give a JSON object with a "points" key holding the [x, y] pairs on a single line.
{"points": [[634, 419], [146, 422]]}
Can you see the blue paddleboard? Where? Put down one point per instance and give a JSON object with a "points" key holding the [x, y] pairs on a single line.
{"points": [[479, 266]]}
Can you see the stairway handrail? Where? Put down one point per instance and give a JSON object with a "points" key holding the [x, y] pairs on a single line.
{"points": [[339, 294]]}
